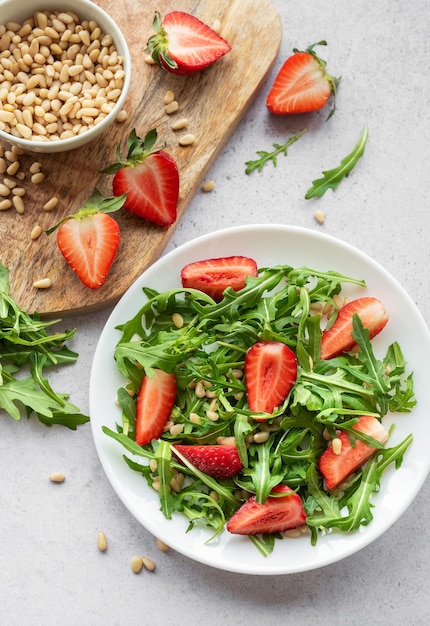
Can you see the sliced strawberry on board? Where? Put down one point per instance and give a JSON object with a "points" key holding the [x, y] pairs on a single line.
{"points": [[155, 402], [89, 239], [149, 177], [218, 461], [337, 467], [302, 84], [270, 373], [183, 44], [213, 276], [276, 515], [338, 338]]}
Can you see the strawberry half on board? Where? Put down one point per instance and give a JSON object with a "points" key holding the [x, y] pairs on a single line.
{"points": [[302, 84], [218, 461], [270, 373], [337, 466], [339, 339], [89, 239], [149, 177], [213, 276], [155, 402], [183, 44], [280, 512]]}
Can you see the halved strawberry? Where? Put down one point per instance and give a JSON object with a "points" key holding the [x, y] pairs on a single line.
{"points": [[276, 515], [219, 461], [338, 338], [89, 239], [270, 373], [213, 276], [183, 44], [337, 467], [155, 402], [302, 84], [149, 177]]}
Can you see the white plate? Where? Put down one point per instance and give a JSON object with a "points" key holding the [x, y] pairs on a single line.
{"points": [[271, 245]]}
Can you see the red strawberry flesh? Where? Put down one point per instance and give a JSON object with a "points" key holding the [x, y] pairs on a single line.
{"points": [[270, 373], [89, 245], [276, 515], [338, 338], [218, 461], [336, 468], [155, 402], [213, 276]]}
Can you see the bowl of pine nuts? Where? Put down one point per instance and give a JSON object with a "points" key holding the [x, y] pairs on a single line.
{"points": [[65, 71]]}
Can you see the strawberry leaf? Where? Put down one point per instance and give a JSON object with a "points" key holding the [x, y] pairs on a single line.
{"points": [[332, 178]]}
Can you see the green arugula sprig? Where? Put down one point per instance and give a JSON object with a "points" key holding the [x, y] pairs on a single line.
{"points": [[27, 347], [328, 395], [266, 157]]}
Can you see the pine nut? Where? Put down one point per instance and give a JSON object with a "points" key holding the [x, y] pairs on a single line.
{"points": [[336, 445], [212, 415], [180, 124], [149, 60], [216, 26], [5, 204], [319, 216], [57, 477], [136, 564], [4, 190], [50, 204], [209, 185], [3, 165], [169, 97], [122, 116], [195, 419], [42, 283], [18, 203], [162, 546], [187, 140], [148, 563], [13, 168], [36, 232], [37, 178], [176, 429], [261, 436], [102, 541], [200, 390], [172, 107], [153, 465], [177, 320], [11, 184], [35, 167]]}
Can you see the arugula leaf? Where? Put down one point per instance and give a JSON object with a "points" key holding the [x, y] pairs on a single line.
{"points": [[266, 157], [332, 178], [25, 345]]}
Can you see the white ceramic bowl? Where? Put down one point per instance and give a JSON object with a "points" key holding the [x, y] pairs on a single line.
{"points": [[14, 11]]}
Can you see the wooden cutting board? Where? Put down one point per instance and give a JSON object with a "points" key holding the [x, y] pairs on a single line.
{"points": [[213, 101]]}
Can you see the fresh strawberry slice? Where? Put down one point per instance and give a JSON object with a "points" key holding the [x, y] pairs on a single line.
{"points": [[183, 44], [337, 467], [150, 178], [338, 338], [219, 461], [302, 84], [270, 373], [213, 276], [155, 402], [89, 239], [276, 515]]}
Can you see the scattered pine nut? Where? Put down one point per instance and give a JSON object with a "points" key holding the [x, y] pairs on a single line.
{"points": [[336, 445], [42, 283], [51, 204], [18, 203], [261, 436], [102, 541], [122, 116], [18, 191], [148, 563], [178, 320], [37, 178], [209, 185], [4, 190], [149, 59], [216, 26], [20, 175], [136, 564], [9, 183], [172, 107], [3, 165], [36, 232], [13, 168], [176, 429], [35, 167], [57, 477], [5, 204], [187, 140], [319, 216], [169, 97], [162, 546], [180, 124], [11, 156], [17, 149]]}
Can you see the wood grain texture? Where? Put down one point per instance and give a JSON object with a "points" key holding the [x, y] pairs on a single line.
{"points": [[213, 101]]}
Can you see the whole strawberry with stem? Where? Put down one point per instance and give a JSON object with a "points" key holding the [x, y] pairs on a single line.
{"points": [[183, 44], [149, 177], [89, 239], [302, 85]]}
